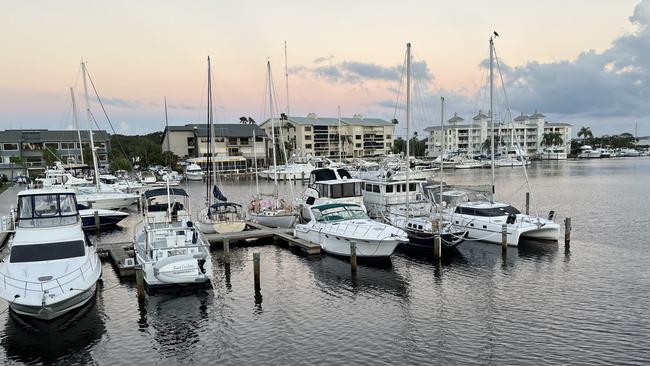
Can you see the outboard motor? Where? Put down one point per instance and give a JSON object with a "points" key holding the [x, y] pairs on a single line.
{"points": [[511, 218], [551, 215]]}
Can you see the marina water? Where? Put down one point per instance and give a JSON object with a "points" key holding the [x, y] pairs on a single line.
{"points": [[541, 304]]}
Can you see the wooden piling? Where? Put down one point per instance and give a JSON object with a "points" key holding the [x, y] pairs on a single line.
{"points": [[302, 176], [139, 281], [353, 257], [527, 203], [226, 250], [504, 237], [256, 270], [437, 246], [567, 231], [97, 226]]}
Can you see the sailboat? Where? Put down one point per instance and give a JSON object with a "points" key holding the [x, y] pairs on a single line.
{"points": [[484, 217], [219, 216], [272, 212]]}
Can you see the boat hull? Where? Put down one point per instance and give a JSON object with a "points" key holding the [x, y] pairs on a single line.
{"points": [[278, 221], [55, 310], [425, 241], [106, 219], [194, 177], [222, 227], [491, 231], [340, 246]]}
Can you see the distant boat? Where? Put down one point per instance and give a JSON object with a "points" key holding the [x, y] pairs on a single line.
{"points": [[107, 218], [193, 172]]}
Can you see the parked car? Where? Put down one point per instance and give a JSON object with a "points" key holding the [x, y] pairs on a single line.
{"points": [[22, 179]]}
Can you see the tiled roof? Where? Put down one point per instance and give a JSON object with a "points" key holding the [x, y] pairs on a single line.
{"points": [[333, 121], [222, 129]]}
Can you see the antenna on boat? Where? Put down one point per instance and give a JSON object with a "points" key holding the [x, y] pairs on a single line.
{"points": [[90, 128], [408, 126], [76, 123], [340, 148], [442, 142], [169, 163], [286, 76], [275, 159]]}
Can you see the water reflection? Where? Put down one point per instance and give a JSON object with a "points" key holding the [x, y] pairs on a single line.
{"points": [[177, 321], [70, 336]]}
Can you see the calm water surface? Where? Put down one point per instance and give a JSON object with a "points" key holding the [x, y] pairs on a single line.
{"points": [[541, 304]]}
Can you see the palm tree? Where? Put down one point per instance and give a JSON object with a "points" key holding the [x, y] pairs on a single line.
{"points": [[243, 120], [487, 144], [585, 132], [552, 139]]}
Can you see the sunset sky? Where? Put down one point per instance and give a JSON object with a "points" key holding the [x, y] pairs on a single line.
{"points": [[583, 62]]}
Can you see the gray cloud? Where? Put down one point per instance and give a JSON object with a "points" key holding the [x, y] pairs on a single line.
{"points": [[355, 72]]}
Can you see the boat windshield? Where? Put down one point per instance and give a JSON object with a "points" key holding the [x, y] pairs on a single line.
{"points": [[487, 212], [46, 251], [339, 213], [45, 210]]}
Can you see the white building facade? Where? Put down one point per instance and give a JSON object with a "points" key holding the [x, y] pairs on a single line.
{"points": [[468, 138], [319, 136]]}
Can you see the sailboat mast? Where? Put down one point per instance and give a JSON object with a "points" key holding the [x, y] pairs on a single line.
{"points": [[208, 164], [492, 110], [90, 128], [286, 76], [442, 142], [169, 163], [257, 183], [408, 126], [275, 160], [76, 123], [340, 146]]}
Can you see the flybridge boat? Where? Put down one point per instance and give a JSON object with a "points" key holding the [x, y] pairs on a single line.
{"points": [[90, 198], [587, 152], [51, 267], [298, 167], [193, 172], [483, 219], [335, 226], [553, 153], [329, 185], [169, 247]]}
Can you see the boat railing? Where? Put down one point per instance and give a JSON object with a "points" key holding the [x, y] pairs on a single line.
{"points": [[52, 285]]}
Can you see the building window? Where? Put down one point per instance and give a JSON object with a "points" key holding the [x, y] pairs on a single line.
{"points": [[307, 128], [307, 146], [218, 139], [10, 147], [68, 145], [358, 137], [243, 140], [232, 141], [307, 137], [190, 141], [52, 145], [259, 138], [388, 137], [358, 145]]}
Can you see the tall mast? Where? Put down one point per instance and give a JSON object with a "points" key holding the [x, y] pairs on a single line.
{"points": [[408, 126], [340, 148], [76, 124], [442, 142], [286, 76], [275, 160], [90, 128], [492, 110], [257, 183], [208, 164], [167, 127]]}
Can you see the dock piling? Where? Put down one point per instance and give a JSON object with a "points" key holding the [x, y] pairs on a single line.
{"points": [[527, 203], [139, 281], [567, 231], [437, 246], [353, 257], [504, 237], [226, 250], [256, 270], [97, 227]]}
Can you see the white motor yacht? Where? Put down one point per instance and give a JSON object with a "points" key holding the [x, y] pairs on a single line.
{"points": [[587, 152], [168, 245], [51, 268], [553, 153], [193, 172], [113, 200], [335, 226], [329, 185]]}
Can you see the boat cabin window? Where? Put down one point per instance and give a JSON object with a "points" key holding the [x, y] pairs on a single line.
{"points": [[342, 190], [412, 187], [487, 212], [389, 188], [46, 251], [339, 213], [45, 210], [375, 188]]}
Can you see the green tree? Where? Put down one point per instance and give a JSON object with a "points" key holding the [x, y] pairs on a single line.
{"points": [[16, 160], [88, 155], [552, 139], [585, 132], [50, 156], [399, 145], [487, 144]]}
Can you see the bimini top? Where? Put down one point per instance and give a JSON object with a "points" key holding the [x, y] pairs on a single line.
{"points": [[174, 191], [38, 191], [334, 205], [225, 204]]}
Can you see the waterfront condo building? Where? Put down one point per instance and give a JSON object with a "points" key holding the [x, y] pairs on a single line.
{"points": [[29, 146], [230, 140], [468, 138], [319, 136]]}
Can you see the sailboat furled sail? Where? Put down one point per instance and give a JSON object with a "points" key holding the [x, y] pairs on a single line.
{"points": [[216, 192]]}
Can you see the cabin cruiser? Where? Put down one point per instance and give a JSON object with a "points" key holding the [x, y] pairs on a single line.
{"points": [[120, 183], [553, 153], [298, 167], [483, 218], [630, 152], [89, 197], [329, 185], [148, 177], [394, 169], [336, 225], [51, 267], [193, 172], [107, 218], [587, 152], [168, 246]]}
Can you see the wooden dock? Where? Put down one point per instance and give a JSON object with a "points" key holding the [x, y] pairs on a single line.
{"points": [[118, 253]]}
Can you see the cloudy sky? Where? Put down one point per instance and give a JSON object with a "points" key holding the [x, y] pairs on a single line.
{"points": [[582, 61]]}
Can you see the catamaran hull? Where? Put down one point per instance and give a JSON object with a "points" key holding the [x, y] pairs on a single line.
{"points": [[280, 221], [490, 232], [222, 227], [336, 245], [425, 241], [55, 310]]}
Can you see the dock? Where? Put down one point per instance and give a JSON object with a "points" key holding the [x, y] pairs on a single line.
{"points": [[119, 253]]}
